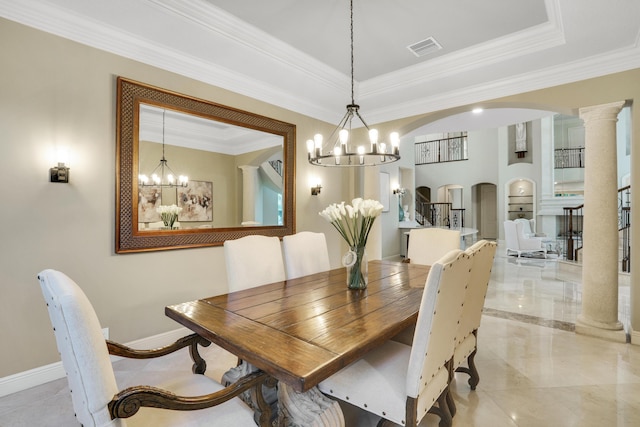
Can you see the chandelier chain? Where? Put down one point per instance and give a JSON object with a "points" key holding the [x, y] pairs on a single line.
{"points": [[163, 113], [345, 152], [352, 90]]}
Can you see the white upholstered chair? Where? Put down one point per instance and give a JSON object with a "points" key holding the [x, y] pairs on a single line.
{"points": [[305, 253], [427, 245], [402, 383], [517, 242], [97, 401], [253, 261], [482, 254], [529, 227]]}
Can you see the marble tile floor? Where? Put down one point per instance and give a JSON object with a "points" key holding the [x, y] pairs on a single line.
{"points": [[534, 371]]}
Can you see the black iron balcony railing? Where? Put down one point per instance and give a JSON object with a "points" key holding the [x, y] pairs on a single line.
{"points": [[566, 158], [442, 150]]}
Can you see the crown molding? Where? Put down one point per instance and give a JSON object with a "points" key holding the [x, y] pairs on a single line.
{"points": [[596, 66], [220, 22], [326, 83], [314, 89]]}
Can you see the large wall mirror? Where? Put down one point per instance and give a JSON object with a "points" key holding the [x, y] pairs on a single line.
{"points": [[230, 172]]}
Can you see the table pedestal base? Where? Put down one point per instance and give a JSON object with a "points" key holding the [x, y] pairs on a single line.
{"points": [[309, 409]]}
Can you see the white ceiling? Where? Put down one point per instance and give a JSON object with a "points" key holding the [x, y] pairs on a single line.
{"points": [[189, 131], [295, 53]]}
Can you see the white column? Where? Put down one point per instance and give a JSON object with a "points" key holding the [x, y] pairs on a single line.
{"points": [[250, 187], [546, 209], [600, 236], [547, 164]]}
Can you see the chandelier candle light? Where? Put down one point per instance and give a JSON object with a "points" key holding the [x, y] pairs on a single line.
{"points": [[342, 150], [354, 223]]}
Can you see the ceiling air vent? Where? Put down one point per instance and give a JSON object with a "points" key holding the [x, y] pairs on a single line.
{"points": [[424, 47]]}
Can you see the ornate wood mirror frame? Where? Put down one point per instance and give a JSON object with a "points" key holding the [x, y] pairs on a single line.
{"points": [[130, 94]]}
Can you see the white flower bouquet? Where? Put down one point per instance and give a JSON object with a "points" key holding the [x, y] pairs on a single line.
{"points": [[169, 214], [354, 223]]}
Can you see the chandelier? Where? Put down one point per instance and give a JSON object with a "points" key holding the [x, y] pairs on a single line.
{"points": [[342, 150], [162, 175]]}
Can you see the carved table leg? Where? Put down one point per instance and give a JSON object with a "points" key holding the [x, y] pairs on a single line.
{"points": [[309, 409], [265, 413], [265, 404], [199, 364]]}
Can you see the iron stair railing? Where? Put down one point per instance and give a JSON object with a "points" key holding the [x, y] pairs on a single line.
{"points": [[624, 226], [572, 231], [573, 227], [277, 166], [438, 214]]}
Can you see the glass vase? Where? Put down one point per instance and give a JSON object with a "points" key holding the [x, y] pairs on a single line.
{"points": [[357, 267], [168, 220]]}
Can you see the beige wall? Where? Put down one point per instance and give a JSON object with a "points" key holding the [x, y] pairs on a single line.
{"points": [[55, 91]]}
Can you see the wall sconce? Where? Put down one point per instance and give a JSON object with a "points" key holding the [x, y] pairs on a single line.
{"points": [[60, 173], [399, 191], [314, 181]]}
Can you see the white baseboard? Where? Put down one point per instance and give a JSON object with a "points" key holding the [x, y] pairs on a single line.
{"points": [[44, 374]]}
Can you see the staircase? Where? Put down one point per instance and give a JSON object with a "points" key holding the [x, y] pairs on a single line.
{"points": [[624, 227], [437, 214], [573, 225]]}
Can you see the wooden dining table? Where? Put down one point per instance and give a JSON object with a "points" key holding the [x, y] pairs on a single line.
{"points": [[303, 330]]}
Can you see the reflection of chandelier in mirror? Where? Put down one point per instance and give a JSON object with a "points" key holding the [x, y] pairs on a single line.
{"points": [[343, 153], [162, 175]]}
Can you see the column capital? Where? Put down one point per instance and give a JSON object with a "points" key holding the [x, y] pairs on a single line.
{"points": [[601, 112]]}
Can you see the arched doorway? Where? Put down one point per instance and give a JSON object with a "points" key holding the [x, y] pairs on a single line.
{"points": [[484, 197]]}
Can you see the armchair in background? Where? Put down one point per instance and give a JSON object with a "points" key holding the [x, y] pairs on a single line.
{"points": [[529, 227], [518, 242]]}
